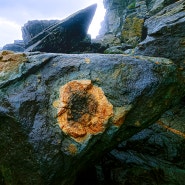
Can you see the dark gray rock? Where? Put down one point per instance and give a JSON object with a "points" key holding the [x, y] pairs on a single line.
{"points": [[32, 28], [165, 34], [153, 156], [154, 6], [60, 113], [17, 46], [67, 36], [118, 49], [114, 50]]}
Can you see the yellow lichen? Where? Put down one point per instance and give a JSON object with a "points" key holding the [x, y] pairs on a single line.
{"points": [[137, 124], [9, 61], [132, 30], [72, 149]]}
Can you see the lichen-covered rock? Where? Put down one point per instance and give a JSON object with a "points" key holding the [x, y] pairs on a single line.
{"points": [[60, 113], [165, 34], [157, 5], [119, 17], [67, 36], [132, 32]]}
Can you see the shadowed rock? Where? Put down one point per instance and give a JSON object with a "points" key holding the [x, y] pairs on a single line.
{"points": [[66, 36], [60, 113], [32, 28]]}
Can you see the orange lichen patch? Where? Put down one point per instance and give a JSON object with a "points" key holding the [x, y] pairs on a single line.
{"points": [[157, 62], [72, 149], [171, 129], [82, 109], [181, 68], [10, 61]]}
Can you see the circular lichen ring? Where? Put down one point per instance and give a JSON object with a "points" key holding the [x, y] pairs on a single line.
{"points": [[82, 109]]}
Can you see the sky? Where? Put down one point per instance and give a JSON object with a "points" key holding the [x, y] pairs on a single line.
{"points": [[15, 13]]}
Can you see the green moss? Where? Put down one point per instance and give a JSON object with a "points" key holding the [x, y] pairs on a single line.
{"points": [[132, 30], [132, 5]]}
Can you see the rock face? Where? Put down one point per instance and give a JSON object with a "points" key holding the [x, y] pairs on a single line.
{"points": [[165, 34], [67, 36], [32, 28], [153, 156], [125, 19], [60, 111], [117, 11]]}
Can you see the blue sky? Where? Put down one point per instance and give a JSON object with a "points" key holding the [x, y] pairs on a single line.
{"points": [[15, 13]]}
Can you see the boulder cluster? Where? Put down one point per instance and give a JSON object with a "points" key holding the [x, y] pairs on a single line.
{"points": [[96, 112]]}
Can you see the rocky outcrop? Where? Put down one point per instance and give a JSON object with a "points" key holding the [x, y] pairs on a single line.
{"points": [[165, 34], [17, 46], [67, 36], [32, 28], [60, 111], [125, 19], [153, 156]]}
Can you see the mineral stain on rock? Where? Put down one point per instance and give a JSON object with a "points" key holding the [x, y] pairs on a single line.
{"points": [[10, 61], [83, 109]]}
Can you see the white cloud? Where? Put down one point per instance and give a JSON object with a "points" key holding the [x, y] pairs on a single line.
{"points": [[9, 32], [14, 14]]}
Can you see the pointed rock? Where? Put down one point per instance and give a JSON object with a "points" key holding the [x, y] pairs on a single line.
{"points": [[65, 36]]}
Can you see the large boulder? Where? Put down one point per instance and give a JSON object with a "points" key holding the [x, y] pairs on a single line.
{"points": [[69, 35], [32, 28], [59, 113]]}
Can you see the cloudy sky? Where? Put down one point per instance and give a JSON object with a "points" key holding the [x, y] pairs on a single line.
{"points": [[15, 13]]}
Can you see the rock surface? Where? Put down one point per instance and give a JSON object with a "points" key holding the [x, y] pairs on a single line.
{"points": [[67, 36], [165, 34], [60, 111], [153, 156], [32, 28], [117, 11], [124, 19], [17, 46]]}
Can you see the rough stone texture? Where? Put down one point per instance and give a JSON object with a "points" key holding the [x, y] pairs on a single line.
{"points": [[67, 36], [32, 28], [157, 5], [36, 149], [132, 32], [165, 34], [17, 46], [113, 21], [153, 156], [118, 13]]}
